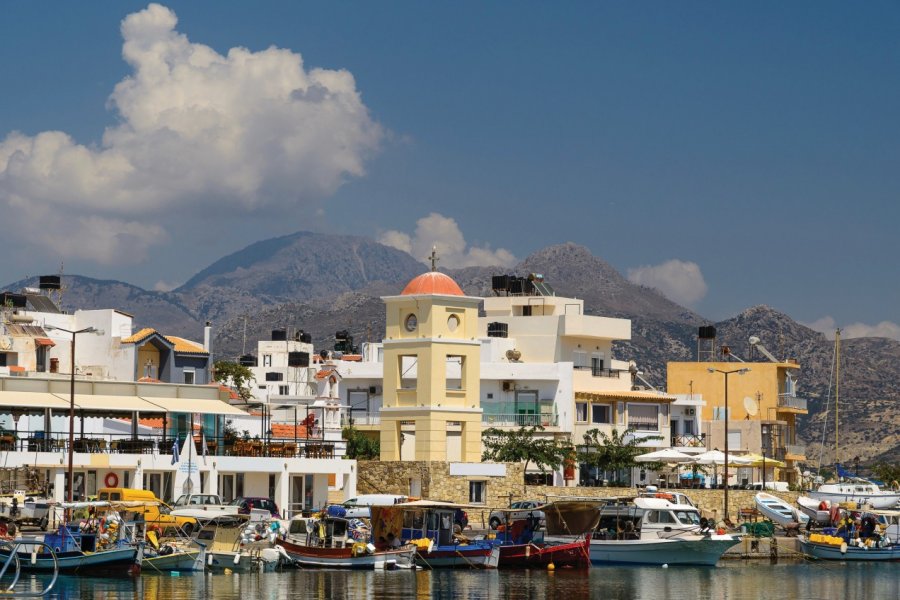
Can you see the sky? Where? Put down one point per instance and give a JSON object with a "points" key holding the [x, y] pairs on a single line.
{"points": [[728, 155]]}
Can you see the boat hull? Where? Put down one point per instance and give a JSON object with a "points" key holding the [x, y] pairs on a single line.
{"points": [[217, 562], [702, 551], [108, 563], [343, 558], [524, 556], [879, 501], [177, 561], [778, 510], [853, 553], [449, 557]]}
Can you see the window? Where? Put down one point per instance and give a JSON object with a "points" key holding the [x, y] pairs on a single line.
{"points": [[274, 376], [601, 413], [477, 492], [580, 358], [283, 390], [581, 412], [188, 376], [455, 364], [643, 417], [267, 360], [407, 375]]}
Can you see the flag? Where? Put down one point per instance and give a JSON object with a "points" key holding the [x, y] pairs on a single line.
{"points": [[203, 447], [175, 457]]}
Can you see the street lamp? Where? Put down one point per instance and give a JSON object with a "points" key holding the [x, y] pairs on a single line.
{"points": [[70, 475], [765, 433], [726, 374]]}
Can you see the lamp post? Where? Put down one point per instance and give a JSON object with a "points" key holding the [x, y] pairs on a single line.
{"points": [[726, 374], [70, 474], [856, 465], [765, 433]]}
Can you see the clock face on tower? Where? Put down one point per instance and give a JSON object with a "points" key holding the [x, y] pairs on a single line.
{"points": [[411, 323]]}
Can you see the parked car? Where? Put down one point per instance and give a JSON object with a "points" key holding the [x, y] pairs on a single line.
{"points": [[247, 503], [522, 509]]}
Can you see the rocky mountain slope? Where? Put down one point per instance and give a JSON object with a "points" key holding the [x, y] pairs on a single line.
{"points": [[322, 284]]}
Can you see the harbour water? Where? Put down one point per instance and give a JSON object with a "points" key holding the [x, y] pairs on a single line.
{"points": [[731, 580]]}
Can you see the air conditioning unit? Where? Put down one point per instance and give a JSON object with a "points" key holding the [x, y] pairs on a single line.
{"points": [[509, 386], [690, 411]]}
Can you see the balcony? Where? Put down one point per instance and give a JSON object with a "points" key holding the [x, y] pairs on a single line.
{"points": [[362, 420], [688, 441], [598, 372], [794, 452], [519, 420], [791, 403]]}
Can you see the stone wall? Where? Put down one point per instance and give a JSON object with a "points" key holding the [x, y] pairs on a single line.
{"points": [[393, 477]]}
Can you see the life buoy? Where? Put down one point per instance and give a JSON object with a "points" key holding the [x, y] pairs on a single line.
{"points": [[823, 505], [111, 480], [101, 527]]}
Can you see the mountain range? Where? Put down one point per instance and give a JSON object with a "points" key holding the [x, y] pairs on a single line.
{"points": [[324, 283]]}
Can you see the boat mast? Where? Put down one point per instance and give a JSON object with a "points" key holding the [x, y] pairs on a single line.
{"points": [[837, 393]]}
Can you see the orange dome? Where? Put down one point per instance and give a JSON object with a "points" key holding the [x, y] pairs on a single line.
{"points": [[432, 282]]}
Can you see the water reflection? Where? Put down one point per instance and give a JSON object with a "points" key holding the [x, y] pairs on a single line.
{"points": [[737, 580]]}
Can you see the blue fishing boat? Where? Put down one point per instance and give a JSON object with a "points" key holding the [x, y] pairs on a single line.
{"points": [[78, 553]]}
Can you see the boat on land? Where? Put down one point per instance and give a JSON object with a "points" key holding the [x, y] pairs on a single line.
{"points": [[430, 526], [654, 531], [779, 511], [564, 542], [328, 541]]}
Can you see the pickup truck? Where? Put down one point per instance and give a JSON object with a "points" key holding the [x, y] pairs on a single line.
{"points": [[202, 506]]}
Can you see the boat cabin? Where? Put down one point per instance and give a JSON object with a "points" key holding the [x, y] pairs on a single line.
{"points": [[222, 534], [647, 519]]}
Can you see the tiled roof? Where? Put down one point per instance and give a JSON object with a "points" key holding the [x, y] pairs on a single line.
{"points": [[181, 344], [324, 373], [624, 395], [432, 282], [286, 430]]}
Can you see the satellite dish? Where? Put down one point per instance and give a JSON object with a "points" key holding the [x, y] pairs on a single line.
{"points": [[751, 406], [754, 340]]}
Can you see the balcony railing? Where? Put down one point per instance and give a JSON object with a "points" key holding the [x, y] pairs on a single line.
{"points": [[791, 401], [795, 449], [598, 372], [688, 441], [519, 420], [362, 419]]}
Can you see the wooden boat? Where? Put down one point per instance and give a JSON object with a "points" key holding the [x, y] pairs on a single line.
{"points": [[221, 539], [327, 542], [429, 525], [819, 511], [878, 546], [171, 556], [778, 510], [565, 542], [655, 531], [78, 553]]}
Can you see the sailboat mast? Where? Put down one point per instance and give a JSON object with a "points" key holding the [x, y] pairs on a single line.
{"points": [[837, 393]]}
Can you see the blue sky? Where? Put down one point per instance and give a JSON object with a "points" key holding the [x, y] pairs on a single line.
{"points": [[730, 155]]}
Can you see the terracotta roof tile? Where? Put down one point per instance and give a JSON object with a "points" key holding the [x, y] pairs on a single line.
{"points": [[140, 335]]}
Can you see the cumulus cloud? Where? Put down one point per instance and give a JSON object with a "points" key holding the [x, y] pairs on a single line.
{"points": [[453, 251], [678, 280], [197, 132], [885, 329]]}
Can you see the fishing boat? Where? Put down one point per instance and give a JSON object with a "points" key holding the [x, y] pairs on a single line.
{"points": [[328, 541], [873, 544], [179, 555], [779, 511], [654, 531], [564, 543], [82, 548], [222, 539], [430, 527]]}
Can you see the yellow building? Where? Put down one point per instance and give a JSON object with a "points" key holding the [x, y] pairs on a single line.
{"points": [[762, 405], [431, 409]]}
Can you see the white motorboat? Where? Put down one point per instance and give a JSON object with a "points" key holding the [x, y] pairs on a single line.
{"points": [[779, 511], [823, 512], [655, 531], [860, 491]]}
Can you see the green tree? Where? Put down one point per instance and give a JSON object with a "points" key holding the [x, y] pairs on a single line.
{"points": [[887, 472], [523, 445], [234, 375], [359, 445], [613, 451]]}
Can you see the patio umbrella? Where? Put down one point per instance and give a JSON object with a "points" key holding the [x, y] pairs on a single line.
{"points": [[667, 455], [715, 457], [756, 460]]}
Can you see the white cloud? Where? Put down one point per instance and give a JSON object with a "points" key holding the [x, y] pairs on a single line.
{"points": [[885, 329], [453, 251], [197, 132], [678, 280]]}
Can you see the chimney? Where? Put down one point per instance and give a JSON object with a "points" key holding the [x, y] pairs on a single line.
{"points": [[207, 337]]}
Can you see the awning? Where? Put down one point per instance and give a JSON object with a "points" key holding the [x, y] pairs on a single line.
{"points": [[625, 395], [32, 400], [195, 405], [44, 342], [122, 404]]}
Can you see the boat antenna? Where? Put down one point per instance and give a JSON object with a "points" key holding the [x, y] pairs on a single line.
{"points": [[831, 380], [837, 394]]}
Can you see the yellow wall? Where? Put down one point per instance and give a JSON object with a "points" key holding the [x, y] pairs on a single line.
{"points": [[148, 353]]}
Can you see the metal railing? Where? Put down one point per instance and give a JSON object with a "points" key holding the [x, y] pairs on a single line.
{"points": [[598, 372], [688, 441], [361, 419], [519, 420], [795, 449], [791, 401]]}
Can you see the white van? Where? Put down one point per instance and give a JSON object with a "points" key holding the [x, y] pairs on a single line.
{"points": [[358, 507]]}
